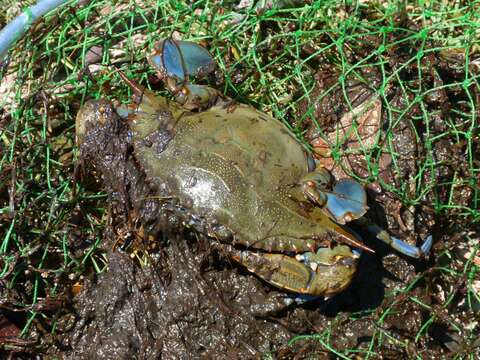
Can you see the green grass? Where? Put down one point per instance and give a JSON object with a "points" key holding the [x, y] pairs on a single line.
{"points": [[51, 224]]}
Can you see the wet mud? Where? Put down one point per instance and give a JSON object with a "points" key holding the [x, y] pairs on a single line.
{"points": [[189, 302], [171, 309], [192, 303]]}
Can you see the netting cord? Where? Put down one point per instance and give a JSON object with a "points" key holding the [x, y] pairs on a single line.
{"points": [[19, 26]]}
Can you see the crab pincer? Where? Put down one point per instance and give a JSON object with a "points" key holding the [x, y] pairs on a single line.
{"points": [[177, 61], [346, 200]]}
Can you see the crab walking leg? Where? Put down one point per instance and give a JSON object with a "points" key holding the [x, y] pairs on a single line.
{"points": [[325, 273], [19, 26], [397, 244]]}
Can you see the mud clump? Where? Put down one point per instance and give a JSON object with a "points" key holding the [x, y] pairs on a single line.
{"points": [[150, 313], [190, 303]]}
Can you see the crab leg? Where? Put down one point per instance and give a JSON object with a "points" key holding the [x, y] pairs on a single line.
{"points": [[324, 273], [397, 244]]}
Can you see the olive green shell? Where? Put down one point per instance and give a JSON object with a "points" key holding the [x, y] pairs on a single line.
{"points": [[234, 168]]}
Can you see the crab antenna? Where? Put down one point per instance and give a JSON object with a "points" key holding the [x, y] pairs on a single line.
{"points": [[138, 90]]}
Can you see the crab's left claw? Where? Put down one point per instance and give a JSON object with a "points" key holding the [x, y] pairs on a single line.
{"points": [[177, 60]]}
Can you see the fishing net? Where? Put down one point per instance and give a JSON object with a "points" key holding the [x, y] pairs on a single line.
{"points": [[386, 92]]}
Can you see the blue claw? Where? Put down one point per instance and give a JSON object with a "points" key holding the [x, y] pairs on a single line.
{"points": [[397, 244], [347, 201], [180, 59], [197, 60], [412, 251], [171, 60]]}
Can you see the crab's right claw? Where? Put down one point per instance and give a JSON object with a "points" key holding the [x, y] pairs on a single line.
{"points": [[175, 61], [347, 201]]}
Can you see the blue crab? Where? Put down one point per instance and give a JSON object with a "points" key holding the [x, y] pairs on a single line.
{"points": [[236, 175]]}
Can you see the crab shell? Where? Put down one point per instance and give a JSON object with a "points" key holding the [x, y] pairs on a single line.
{"points": [[234, 171]]}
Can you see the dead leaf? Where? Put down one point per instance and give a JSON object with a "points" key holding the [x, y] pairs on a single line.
{"points": [[355, 138]]}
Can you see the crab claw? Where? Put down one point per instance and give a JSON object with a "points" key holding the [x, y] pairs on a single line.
{"points": [[177, 60], [347, 201], [324, 273], [197, 96], [403, 247]]}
